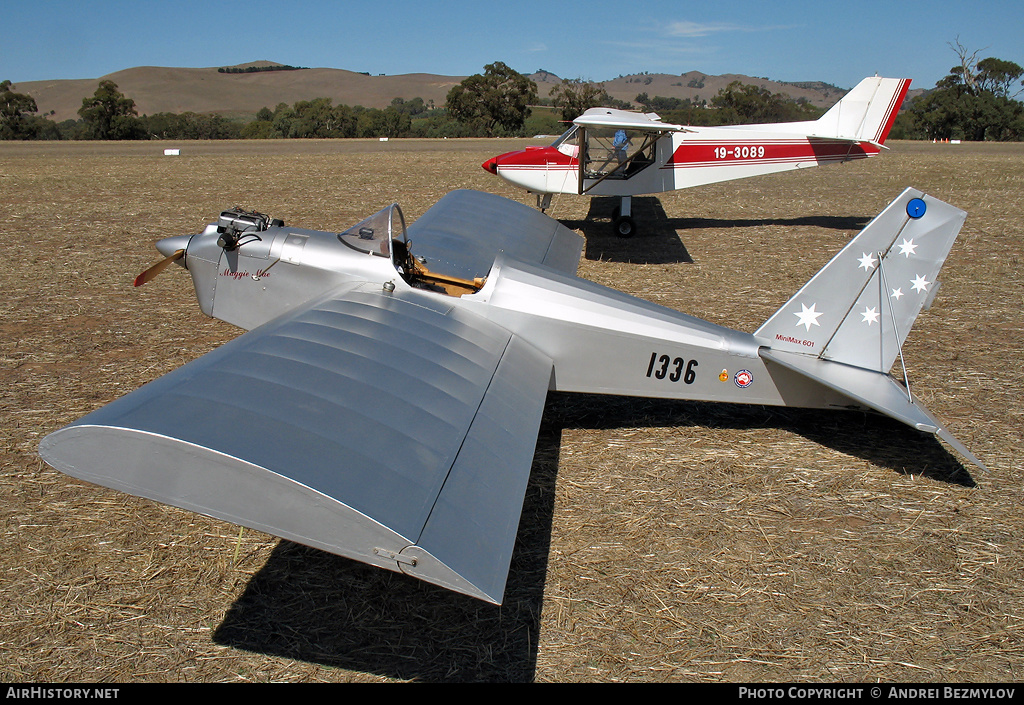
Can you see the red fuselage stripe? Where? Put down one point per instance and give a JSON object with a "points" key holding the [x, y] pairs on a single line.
{"points": [[894, 109], [707, 153], [740, 152]]}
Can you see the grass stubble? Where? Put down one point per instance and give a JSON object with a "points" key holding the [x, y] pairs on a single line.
{"points": [[660, 540]]}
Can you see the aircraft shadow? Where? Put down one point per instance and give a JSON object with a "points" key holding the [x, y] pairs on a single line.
{"points": [[878, 439], [657, 240], [313, 606], [832, 222]]}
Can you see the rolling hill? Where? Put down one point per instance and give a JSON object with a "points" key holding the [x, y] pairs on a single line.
{"points": [[210, 90]]}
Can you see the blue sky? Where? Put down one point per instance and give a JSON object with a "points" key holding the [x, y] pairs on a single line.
{"points": [[839, 43]]}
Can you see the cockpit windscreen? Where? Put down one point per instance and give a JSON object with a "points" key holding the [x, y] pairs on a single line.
{"points": [[374, 234]]}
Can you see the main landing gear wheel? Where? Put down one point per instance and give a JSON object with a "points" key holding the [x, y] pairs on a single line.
{"points": [[624, 226], [622, 220]]}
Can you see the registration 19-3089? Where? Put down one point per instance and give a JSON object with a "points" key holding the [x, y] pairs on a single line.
{"points": [[739, 152]]}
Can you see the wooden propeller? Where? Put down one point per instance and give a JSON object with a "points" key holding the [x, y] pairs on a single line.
{"points": [[151, 273]]}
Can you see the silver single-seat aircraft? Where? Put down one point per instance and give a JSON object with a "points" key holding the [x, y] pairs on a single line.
{"points": [[385, 405], [620, 153]]}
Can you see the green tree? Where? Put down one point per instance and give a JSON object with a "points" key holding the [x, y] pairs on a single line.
{"points": [[437, 125], [974, 102], [745, 104], [662, 104], [394, 122], [261, 128], [998, 77], [413, 108], [313, 118], [573, 97], [13, 107], [495, 102], [284, 115], [109, 115], [190, 126], [389, 122], [544, 122]]}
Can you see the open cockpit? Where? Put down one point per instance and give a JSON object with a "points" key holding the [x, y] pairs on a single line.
{"points": [[383, 234]]}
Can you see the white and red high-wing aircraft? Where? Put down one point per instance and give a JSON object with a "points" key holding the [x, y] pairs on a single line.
{"points": [[610, 152]]}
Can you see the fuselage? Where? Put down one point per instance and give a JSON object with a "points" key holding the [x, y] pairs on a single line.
{"points": [[599, 340], [678, 160]]}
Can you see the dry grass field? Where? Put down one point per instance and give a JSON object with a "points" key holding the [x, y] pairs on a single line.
{"points": [[660, 541]]}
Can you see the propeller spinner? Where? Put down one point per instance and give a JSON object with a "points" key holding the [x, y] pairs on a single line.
{"points": [[173, 249]]}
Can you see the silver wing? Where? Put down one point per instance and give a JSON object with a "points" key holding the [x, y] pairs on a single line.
{"points": [[464, 232], [415, 423]]}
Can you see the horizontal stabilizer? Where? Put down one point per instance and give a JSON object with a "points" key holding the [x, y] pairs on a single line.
{"points": [[846, 326], [871, 389]]}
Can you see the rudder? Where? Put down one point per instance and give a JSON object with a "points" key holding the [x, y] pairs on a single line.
{"points": [[866, 113]]}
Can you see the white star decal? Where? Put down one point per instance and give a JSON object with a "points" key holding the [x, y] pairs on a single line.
{"points": [[870, 316], [920, 284], [907, 247], [808, 316], [897, 293], [867, 262]]}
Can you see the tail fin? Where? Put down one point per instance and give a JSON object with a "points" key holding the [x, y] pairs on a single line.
{"points": [[858, 309], [866, 113]]}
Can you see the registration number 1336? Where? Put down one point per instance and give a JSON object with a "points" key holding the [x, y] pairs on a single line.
{"points": [[672, 369]]}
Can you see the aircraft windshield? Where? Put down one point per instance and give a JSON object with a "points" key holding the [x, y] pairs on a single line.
{"points": [[374, 234], [383, 234], [568, 143]]}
